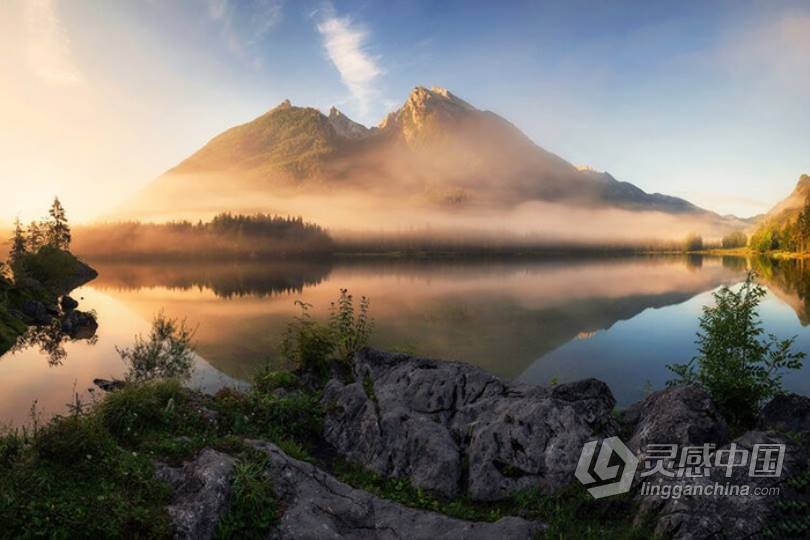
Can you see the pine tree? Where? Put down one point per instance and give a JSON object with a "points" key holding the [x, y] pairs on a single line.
{"points": [[58, 229], [18, 243], [36, 235]]}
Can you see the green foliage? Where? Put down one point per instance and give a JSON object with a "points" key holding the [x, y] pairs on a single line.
{"points": [[766, 238], [137, 409], [253, 509], [736, 362], [267, 380], [69, 480], [297, 416], [787, 235], [308, 344], [734, 240], [49, 265], [167, 353], [58, 230], [19, 246], [351, 330]]}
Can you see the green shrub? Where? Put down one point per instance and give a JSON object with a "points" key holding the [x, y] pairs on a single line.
{"points": [[307, 344], [267, 380], [128, 414], [736, 362], [167, 353], [351, 330], [69, 479], [75, 442]]}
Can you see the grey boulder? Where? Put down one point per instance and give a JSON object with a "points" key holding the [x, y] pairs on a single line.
{"points": [[682, 415], [202, 490], [454, 429], [317, 506], [787, 412]]}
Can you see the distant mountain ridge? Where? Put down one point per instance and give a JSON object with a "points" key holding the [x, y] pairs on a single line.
{"points": [[788, 208], [437, 151]]}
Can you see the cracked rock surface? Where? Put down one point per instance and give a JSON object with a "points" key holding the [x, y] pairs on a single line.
{"points": [[455, 429], [202, 493], [317, 506]]}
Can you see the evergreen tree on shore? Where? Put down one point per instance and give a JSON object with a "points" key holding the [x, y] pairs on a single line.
{"points": [[18, 243], [37, 232], [58, 232]]}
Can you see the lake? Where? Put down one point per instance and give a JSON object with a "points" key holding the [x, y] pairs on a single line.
{"points": [[620, 319]]}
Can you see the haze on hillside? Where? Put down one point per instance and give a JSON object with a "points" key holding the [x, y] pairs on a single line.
{"points": [[437, 165]]}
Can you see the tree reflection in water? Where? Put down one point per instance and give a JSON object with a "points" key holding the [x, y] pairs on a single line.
{"points": [[50, 340]]}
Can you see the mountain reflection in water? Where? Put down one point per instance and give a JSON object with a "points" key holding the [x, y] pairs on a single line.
{"points": [[620, 319]]}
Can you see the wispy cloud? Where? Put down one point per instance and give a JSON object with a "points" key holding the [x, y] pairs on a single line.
{"points": [[245, 23], [346, 44], [48, 45]]}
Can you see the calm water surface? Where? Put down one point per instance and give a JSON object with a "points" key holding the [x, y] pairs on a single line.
{"points": [[620, 320]]}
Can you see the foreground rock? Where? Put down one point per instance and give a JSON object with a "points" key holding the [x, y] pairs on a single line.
{"points": [[317, 506], [787, 413], [683, 415], [454, 429], [202, 493]]}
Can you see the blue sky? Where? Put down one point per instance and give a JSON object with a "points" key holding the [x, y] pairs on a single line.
{"points": [[705, 100]]}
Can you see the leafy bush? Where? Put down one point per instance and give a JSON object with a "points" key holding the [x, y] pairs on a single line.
{"points": [[139, 408], [352, 331], [268, 380], [307, 343], [168, 353], [736, 362]]}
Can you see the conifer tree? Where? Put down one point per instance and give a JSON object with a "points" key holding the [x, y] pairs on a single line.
{"points": [[58, 229], [36, 235], [18, 243]]}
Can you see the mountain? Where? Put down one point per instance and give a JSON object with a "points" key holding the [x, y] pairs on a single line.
{"points": [[788, 209], [436, 152]]}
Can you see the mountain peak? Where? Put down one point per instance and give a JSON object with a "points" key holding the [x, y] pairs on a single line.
{"points": [[345, 126], [425, 111], [421, 98], [284, 105]]}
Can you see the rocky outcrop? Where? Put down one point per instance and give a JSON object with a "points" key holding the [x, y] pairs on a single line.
{"points": [[317, 506], [682, 415], [787, 413], [81, 273], [78, 324], [454, 429], [202, 493]]}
